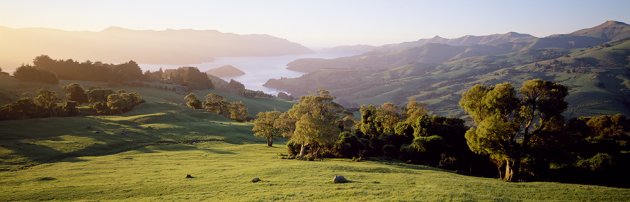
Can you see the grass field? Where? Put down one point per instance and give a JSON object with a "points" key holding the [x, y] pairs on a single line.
{"points": [[223, 171], [145, 155]]}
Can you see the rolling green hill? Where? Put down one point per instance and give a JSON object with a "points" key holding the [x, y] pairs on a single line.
{"points": [[146, 153], [162, 119], [222, 172]]}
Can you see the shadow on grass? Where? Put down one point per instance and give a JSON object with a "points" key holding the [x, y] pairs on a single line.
{"points": [[65, 138]]}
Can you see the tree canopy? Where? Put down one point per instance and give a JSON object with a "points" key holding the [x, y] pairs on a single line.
{"points": [[505, 122]]}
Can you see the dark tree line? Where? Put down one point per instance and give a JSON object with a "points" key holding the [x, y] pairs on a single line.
{"points": [[190, 77], [89, 71], [515, 135], [48, 104], [33, 74]]}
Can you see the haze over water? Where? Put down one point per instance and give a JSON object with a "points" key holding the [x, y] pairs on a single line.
{"points": [[257, 69]]}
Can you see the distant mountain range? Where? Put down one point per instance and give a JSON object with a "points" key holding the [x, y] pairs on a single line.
{"points": [[115, 44], [593, 62]]}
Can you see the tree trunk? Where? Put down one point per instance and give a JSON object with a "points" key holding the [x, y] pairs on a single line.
{"points": [[269, 141], [500, 169], [511, 170], [302, 151]]}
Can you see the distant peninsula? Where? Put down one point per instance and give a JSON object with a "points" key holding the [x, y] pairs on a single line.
{"points": [[225, 71]]}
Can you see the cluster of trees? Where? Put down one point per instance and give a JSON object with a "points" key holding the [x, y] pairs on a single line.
{"points": [[318, 127], [515, 135], [219, 105], [48, 104], [190, 77], [526, 137], [48, 70], [45, 104], [89, 71], [33, 74], [107, 102]]}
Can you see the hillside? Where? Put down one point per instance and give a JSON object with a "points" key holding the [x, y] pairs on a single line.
{"points": [[436, 71], [222, 172], [348, 50], [225, 71], [163, 118], [145, 154], [115, 45]]}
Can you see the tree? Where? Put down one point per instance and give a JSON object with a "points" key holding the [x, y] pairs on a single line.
{"points": [[21, 109], [98, 95], [414, 110], [314, 130], [47, 100], [315, 117], [115, 103], [505, 122], [440, 141], [74, 92], [192, 101], [70, 108], [238, 111], [267, 125], [379, 125], [217, 104], [44, 62], [30, 73]]}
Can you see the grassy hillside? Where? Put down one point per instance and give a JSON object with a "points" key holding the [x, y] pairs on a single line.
{"points": [[145, 154], [223, 172], [162, 119]]}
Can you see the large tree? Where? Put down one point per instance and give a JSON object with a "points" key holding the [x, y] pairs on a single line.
{"points": [[267, 125], [315, 117], [505, 121]]}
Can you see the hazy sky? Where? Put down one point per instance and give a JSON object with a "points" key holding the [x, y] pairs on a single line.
{"points": [[321, 23]]}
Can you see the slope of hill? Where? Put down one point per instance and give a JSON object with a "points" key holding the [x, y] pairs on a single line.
{"points": [[223, 172], [609, 31], [115, 45], [162, 119], [437, 74], [348, 50], [225, 71]]}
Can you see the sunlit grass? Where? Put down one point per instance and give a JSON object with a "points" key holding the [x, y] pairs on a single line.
{"points": [[223, 171]]}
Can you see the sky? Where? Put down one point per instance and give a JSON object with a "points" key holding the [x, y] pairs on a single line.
{"points": [[321, 23]]}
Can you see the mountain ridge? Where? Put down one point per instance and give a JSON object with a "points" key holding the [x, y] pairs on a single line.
{"points": [[595, 69], [116, 44]]}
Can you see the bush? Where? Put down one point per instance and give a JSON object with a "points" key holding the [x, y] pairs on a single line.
{"points": [[599, 163], [350, 145]]}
